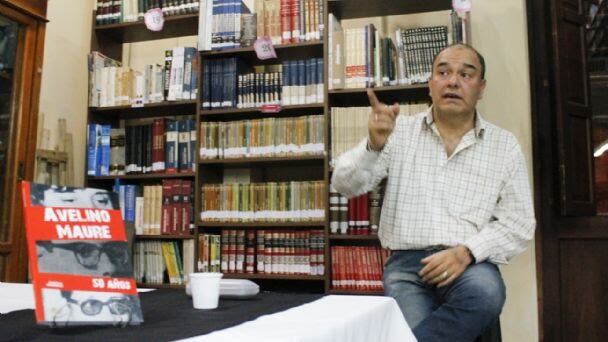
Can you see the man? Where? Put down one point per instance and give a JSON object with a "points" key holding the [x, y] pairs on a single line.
{"points": [[457, 201], [68, 197]]}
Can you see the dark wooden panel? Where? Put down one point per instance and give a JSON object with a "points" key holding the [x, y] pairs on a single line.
{"points": [[160, 109], [33, 7], [389, 94], [575, 163], [349, 9], [584, 292]]}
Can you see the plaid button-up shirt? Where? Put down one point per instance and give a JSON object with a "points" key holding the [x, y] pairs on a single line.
{"points": [[478, 197]]}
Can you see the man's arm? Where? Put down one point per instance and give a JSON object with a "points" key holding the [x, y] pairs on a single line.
{"points": [[360, 169], [508, 235]]}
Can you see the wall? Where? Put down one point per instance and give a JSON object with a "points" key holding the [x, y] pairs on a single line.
{"points": [[63, 91], [498, 31]]}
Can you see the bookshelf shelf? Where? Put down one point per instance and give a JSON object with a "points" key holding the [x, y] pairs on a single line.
{"points": [[174, 26], [272, 276], [260, 224], [353, 237], [238, 113], [362, 8], [356, 292], [388, 94], [265, 160], [164, 237], [148, 110], [160, 286], [282, 50], [150, 176]]}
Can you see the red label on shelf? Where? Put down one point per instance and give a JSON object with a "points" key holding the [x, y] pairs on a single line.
{"points": [[270, 108]]}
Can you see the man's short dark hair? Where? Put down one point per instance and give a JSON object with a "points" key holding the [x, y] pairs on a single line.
{"points": [[482, 61]]}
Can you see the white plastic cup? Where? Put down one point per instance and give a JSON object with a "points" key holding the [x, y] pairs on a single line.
{"points": [[205, 287]]}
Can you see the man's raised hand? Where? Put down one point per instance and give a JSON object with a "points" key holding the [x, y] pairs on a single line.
{"points": [[381, 121]]}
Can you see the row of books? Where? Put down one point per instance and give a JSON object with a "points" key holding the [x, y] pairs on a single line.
{"points": [[349, 125], [163, 262], [360, 57], [276, 251], [356, 216], [162, 146], [264, 202], [119, 11], [228, 83], [304, 135], [163, 209], [111, 84], [357, 267]]}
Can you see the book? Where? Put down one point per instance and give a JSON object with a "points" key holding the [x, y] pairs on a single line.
{"points": [[79, 257]]}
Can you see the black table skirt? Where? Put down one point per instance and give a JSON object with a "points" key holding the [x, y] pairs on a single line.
{"points": [[168, 315]]}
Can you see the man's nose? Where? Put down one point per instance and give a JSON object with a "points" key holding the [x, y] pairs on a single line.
{"points": [[453, 80]]}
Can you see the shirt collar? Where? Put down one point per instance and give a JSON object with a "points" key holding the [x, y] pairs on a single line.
{"points": [[480, 123]]}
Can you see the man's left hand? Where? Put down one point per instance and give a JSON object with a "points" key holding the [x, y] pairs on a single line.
{"points": [[443, 267]]}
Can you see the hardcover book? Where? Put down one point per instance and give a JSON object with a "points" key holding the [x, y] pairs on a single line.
{"points": [[79, 257]]}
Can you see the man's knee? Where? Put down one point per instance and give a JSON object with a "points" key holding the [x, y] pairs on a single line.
{"points": [[487, 291]]}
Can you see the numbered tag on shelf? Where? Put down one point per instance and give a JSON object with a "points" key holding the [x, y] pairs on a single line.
{"points": [[461, 6], [154, 19], [270, 108], [137, 102], [264, 49]]}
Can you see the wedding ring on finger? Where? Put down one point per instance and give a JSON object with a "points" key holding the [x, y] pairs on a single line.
{"points": [[444, 275]]}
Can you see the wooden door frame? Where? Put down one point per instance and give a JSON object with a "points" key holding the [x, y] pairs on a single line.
{"points": [[553, 229], [20, 162]]}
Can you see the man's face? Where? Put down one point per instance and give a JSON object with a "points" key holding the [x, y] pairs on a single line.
{"points": [[86, 258], [456, 83]]}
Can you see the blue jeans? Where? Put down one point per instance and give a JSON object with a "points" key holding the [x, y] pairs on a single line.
{"points": [[460, 311]]}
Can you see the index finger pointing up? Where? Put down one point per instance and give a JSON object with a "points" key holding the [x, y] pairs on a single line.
{"points": [[373, 100]]}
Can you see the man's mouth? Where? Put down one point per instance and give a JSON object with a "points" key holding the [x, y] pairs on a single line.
{"points": [[451, 96]]}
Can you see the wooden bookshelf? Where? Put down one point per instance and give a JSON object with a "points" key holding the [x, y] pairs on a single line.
{"points": [[353, 9], [294, 50], [243, 113], [174, 108], [174, 26], [239, 162], [389, 94], [353, 237], [231, 225], [356, 292], [273, 276], [144, 176], [164, 237]]}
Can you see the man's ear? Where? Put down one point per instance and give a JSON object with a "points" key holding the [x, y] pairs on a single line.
{"points": [[482, 88]]}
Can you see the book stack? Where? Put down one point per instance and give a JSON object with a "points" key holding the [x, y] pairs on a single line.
{"points": [[269, 137], [357, 268], [111, 84], [164, 209], [349, 125], [264, 202], [356, 216], [302, 81], [162, 262], [163, 146], [276, 251]]}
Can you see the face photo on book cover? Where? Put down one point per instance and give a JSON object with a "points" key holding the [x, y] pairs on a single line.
{"points": [[69, 197], [84, 257], [63, 307]]}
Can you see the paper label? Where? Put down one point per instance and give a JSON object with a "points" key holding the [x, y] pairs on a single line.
{"points": [[461, 5], [154, 19], [264, 49]]}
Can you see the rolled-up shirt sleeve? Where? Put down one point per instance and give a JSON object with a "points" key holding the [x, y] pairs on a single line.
{"points": [[359, 170]]}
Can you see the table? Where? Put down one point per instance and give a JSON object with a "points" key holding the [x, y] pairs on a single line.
{"points": [[270, 316]]}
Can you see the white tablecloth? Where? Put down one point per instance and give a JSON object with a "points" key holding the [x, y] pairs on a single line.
{"points": [[331, 319]]}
